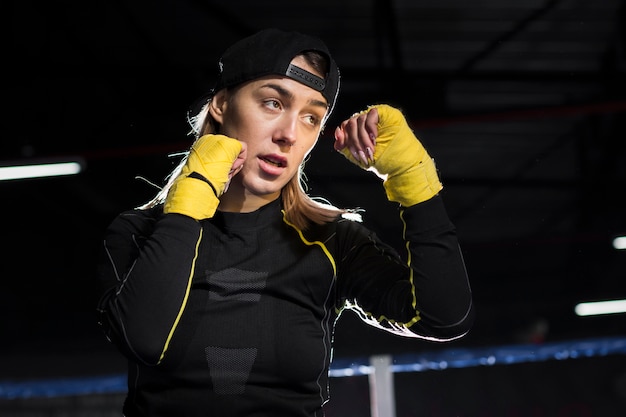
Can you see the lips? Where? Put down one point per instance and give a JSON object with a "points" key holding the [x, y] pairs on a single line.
{"points": [[272, 164], [275, 160]]}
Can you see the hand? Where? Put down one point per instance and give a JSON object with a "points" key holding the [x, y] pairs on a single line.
{"points": [[380, 140], [357, 136]]}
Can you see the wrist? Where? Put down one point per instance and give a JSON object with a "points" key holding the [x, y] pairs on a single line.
{"points": [[191, 197], [412, 186]]}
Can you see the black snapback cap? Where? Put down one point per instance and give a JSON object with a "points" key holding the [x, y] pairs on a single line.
{"points": [[269, 52]]}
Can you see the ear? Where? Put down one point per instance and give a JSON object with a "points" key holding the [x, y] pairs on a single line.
{"points": [[217, 106]]}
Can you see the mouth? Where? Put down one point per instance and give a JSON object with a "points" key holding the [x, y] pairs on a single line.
{"points": [[274, 160]]}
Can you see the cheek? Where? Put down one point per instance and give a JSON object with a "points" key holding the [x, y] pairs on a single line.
{"points": [[302, 153], [233, 127], [308, 148], [236, 124]]}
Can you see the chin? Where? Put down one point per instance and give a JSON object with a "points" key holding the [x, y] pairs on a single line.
{"points": [[261, 187]]}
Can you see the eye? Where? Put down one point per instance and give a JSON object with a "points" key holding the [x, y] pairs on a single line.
{"points": [[272, 104], [312, 120]]}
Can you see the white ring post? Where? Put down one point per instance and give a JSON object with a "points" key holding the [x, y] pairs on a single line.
{"points": [[382, 396]]}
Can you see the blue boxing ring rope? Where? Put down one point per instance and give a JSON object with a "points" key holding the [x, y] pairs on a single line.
{"points": [[345, 367]]}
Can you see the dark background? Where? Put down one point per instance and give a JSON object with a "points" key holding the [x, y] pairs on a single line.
{"points": [[522, 104]]}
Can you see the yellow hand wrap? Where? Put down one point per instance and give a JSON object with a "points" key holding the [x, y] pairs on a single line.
{"points": [[196, 190], [409, 173]]}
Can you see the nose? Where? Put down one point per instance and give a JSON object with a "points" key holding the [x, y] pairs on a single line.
{"points": [[285, 133]]}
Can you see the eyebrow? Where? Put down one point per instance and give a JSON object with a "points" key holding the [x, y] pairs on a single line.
{"points": [[288, 94]]}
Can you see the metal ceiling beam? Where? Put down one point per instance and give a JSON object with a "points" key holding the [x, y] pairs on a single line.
{"points": [[496, 43], [387, 38]]}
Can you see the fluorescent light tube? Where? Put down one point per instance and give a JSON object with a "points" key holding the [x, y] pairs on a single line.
{"points": [[619, 243], [39, 170], [600, 307]]}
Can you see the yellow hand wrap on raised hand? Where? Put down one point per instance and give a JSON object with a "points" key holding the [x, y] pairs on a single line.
{"points": [[409, 173], [196, 190]]}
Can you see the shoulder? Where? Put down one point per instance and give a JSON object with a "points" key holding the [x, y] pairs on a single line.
{"points": [[344, 227], [350, 221]]}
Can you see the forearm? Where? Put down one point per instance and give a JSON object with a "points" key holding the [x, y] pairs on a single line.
{"points": [[148, 281], [443, 296]]}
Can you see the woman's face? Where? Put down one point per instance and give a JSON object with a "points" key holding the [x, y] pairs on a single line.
{"points": [[279, 119]]}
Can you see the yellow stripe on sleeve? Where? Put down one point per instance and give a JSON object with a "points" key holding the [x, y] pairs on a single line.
{"points": [[185, 298]]}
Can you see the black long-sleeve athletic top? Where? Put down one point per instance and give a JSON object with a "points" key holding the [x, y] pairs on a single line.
{"points": [[233, 316]]}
